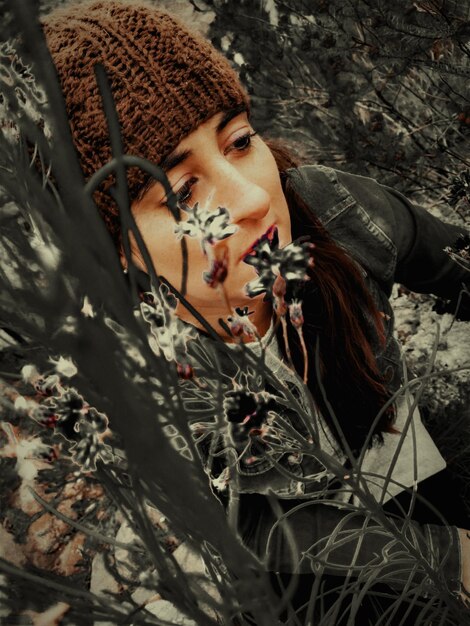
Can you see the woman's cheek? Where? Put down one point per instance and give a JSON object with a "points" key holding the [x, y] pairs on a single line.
{"points": [[157, 237]]}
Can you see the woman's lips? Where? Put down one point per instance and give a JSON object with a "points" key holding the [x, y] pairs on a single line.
{"points": [[270, 235]]}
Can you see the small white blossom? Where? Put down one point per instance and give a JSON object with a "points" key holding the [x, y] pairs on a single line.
{"points": [[48, 384], [291, 263], [221, 481], [241, 326], [69, 325], [207, 225], [168, 334], [64, 367], [24, 405], [87, 308], [238, 58], [29, 373]]}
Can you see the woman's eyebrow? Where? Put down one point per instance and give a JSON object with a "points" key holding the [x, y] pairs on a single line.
{"points": [[174, 159], [228, 116]]}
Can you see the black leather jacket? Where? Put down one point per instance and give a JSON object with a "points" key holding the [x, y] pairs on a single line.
{"points": [[393, 240]]}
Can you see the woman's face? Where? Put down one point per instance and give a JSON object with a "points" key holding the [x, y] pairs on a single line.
{"points": [[222, 163]]}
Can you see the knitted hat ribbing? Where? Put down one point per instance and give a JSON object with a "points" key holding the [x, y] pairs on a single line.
{"points": [[165, 81]]}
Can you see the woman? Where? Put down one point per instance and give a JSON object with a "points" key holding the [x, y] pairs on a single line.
{"points": [[181, 106]]}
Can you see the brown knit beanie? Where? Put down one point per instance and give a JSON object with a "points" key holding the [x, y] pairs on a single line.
{"points": [[165, 81]]}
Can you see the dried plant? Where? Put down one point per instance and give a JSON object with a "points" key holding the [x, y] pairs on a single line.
{"points": [[114, 399]]}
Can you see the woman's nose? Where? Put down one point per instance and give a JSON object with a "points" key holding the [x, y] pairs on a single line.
{"points": [[240, 195]]}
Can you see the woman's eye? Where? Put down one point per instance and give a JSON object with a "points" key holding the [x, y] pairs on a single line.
{"points": [[243, 142], [184, 193]]}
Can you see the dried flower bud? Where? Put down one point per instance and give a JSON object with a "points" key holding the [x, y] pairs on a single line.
{"points": [[279, 287], [185, 371], [241, 326], [295, 313], [219, 267]]}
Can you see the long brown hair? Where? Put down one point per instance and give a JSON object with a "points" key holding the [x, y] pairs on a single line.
{"points": [[342, 320]]}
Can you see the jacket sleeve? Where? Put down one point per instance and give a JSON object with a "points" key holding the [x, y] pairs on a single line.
{"points": [[392, 238], [419, 238], [315, 525]]}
